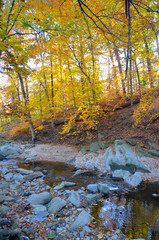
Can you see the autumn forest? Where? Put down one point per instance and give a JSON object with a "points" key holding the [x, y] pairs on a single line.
{"points": [[68, 60]]}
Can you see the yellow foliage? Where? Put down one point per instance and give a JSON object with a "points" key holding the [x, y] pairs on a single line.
{"points": [[148, 109], [20, 128], [85, 119]]}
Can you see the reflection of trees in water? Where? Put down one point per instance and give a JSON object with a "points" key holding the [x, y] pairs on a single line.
{"points": [[142, 220]]}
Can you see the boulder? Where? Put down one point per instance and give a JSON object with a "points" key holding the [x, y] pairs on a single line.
{"points": [[120, 174], [78, 172], [92, 188], [24, 171], [56, 204], [108, 155], [39, 199], [4, 209], [74, 198], [10, 150], [82, 219], [33, 176], [134, 180], [8, 176]]}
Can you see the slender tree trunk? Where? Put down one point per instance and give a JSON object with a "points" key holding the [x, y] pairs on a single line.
{"points": [[120, 69], [138, 77], [129, 34], [149, 64], [131, 87], [26, 105], [71, 78]]}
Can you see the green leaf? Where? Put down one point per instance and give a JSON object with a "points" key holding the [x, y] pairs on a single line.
{"points": [[51, 236]]}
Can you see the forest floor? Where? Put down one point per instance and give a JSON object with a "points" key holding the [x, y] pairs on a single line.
{"points": [[118, 124]]}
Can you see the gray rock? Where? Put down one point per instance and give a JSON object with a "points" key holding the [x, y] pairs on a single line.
{"points": [[103, 188], [40, 217], [4, 185], [2, 157], [78, 172], [64, 184], [56, 204], [120, 174], [70, 162], [116, 161], [24, 171], [10, 150], [95, 147], [74, 198], [92, 188], [39, 208], [4, 198], [82, 219], [108, 155], [37, 169], [4, 210], [154, 153], [18, 177], [93, 197], [39, 199], [131, 141], [8, 176], [33, 175], [134, 180]]}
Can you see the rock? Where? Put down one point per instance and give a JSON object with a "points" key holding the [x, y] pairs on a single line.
{"points": [[154, 153], [95, 147], [4, 210], [10, 150], [116, 161], [134, 180], [39, 199], [92, 197], [141, 152], [4, 185], [28, 146], [18, 177], [37, 169], [103, 188], [120, 174], [39, 208], [131, 141], [8, 176], [40, 217], [78, 172], [108, 155], [70, 162], [83, 150], [82, 219], [33, 175], [24, 171], [64, 184], [4, 198], [92, 188], [56, 204], [74, 198], [2, 157]]}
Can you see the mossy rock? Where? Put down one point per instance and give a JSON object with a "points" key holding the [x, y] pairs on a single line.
{"points": [[141, 152], [131, 142], [154, 153]]}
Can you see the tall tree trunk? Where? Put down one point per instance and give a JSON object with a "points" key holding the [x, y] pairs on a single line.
{"points": [[131, 87], [26, 105], [149, 64], [116, 51]]}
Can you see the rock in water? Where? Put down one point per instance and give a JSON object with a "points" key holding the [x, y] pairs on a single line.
{"points": [[134, 180], [82, 219]]}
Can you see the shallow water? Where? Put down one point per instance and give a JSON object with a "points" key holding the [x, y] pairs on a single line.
{"points": [[136, 212]]}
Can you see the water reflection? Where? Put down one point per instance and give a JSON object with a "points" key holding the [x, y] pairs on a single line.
{"points": [[136, 213]]}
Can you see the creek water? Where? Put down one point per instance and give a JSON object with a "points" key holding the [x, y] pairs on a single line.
{"points": [[135, 212]]}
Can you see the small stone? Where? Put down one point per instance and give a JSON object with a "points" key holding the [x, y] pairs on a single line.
{"points": [[92, 197], [82, 219], [103, 188], [56, 204], [92, 188], [74, 198]]}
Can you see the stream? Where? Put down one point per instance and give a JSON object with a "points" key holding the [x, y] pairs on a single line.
{"points": [[135, 213]]}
